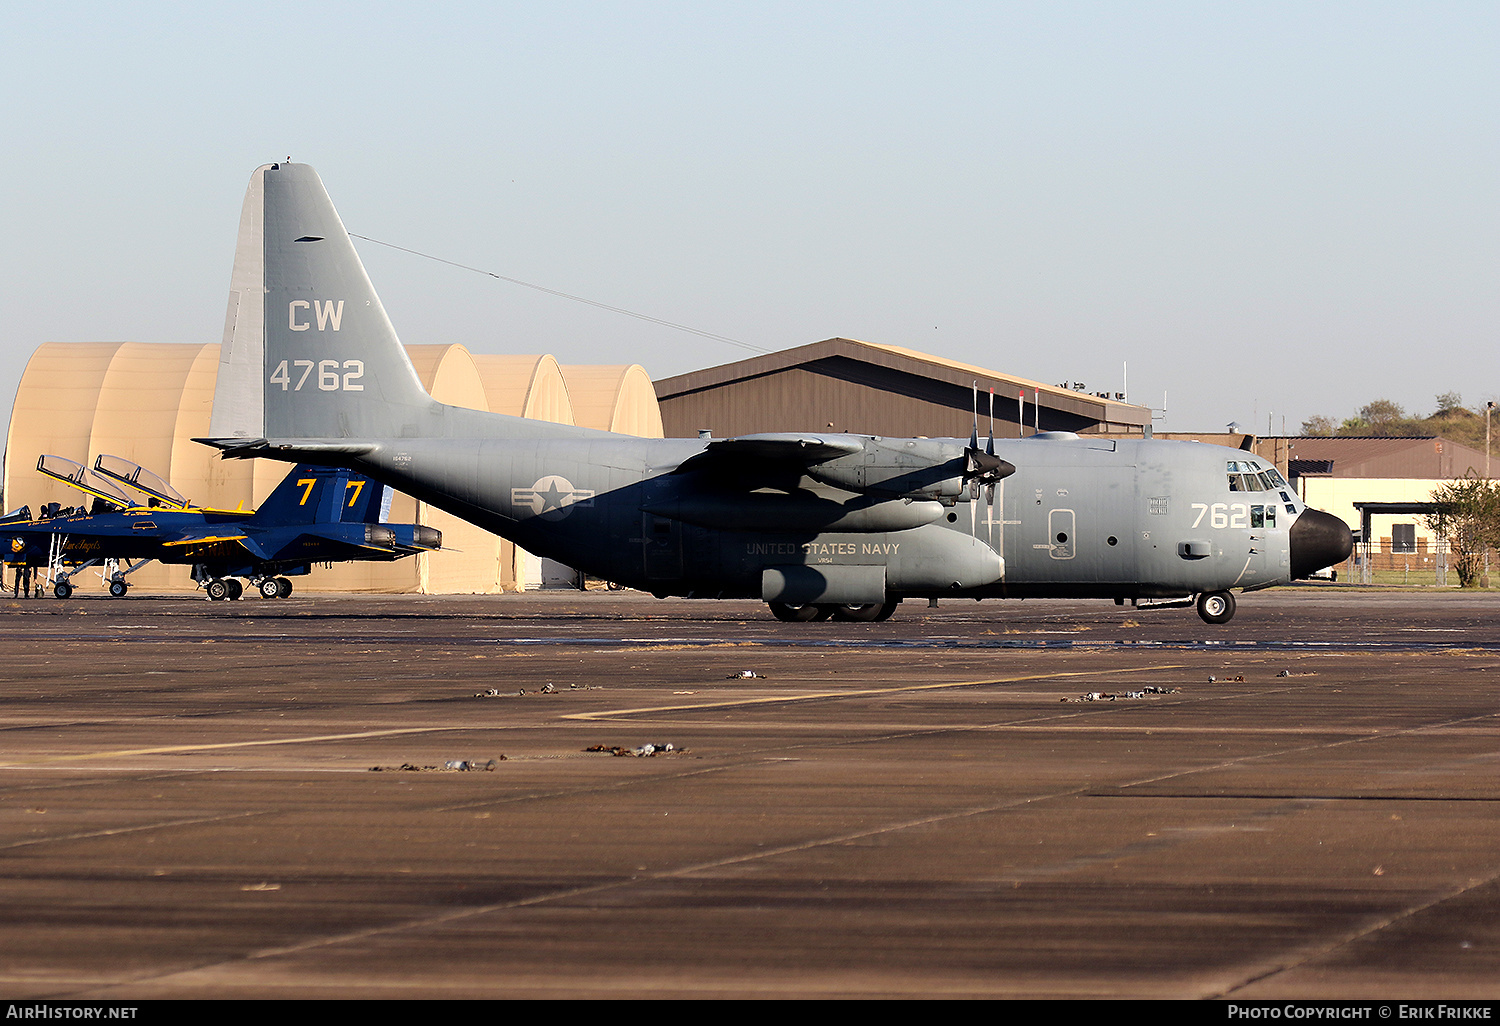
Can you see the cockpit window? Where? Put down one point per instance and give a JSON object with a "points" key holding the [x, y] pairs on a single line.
{"points": [[1251, 476]]}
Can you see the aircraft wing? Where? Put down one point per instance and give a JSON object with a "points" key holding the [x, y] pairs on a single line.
{"points": [[207, 537], [788, 448]]}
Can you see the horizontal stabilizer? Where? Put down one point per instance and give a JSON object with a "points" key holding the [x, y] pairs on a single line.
{"points": [[310, 449]]}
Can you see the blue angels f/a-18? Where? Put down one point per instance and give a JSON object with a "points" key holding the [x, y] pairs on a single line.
{"points": [[815, 524], [316, 515]]}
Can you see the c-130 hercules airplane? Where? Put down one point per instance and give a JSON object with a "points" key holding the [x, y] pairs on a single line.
{"points": [[818, 525]]}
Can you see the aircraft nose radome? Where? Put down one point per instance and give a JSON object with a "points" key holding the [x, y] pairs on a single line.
{"points": [[1318, 540]]}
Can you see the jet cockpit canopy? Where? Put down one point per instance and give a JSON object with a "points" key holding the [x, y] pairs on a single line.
{"points": [[76, 475], [142, 480]]}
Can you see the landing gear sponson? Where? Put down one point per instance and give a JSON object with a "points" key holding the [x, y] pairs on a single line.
{"points": [[1214, 607]]}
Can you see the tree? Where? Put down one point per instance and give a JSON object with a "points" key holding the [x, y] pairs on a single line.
{"points": [[1381, 413], [1449, 401], [1468, 518], [1319, 425]]}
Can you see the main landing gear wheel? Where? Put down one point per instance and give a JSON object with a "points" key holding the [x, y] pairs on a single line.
{"points": [[286, 586], [236, 589], [1216, 606], [270, 588], [793, 614], [218, 589], [117, 589], [868, 613], [62, 589]]}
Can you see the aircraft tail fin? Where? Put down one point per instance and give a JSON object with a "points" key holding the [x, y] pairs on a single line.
{"points": [[308, 350], [312, 495], [366, 501]]}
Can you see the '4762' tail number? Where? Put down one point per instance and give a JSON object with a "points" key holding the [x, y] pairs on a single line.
{"points": [[332, 376]]}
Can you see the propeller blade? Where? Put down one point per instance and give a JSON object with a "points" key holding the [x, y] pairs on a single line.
{"points": [[989, 446], [974, 434]]}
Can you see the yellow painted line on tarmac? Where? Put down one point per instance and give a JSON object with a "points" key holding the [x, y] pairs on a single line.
{"points": [[120, 753], [862, 693]]}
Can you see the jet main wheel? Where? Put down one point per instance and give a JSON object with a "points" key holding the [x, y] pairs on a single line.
{"points": [[218, 589], [62, 589], [1216, 606], [270, 588], [793, 614], [286, 586], [236, 589], [117, 589]]}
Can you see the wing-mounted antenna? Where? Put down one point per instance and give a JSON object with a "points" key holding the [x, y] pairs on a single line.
{"points": [[76, 475], [134, 475]]}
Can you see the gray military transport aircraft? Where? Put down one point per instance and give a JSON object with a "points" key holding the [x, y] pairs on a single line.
{"points": [[816, 524]]}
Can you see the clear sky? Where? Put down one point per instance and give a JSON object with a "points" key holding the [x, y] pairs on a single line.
{"points": [[1268, 210]]}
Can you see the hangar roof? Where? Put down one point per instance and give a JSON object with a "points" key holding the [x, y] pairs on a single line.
{"points": [[901, 362]]}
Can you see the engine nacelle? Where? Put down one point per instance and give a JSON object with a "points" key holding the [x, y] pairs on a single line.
{"points": [[414, 536], [902, 467]]}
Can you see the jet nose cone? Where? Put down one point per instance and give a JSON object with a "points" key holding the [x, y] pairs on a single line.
{"points": [[1318, 540]]}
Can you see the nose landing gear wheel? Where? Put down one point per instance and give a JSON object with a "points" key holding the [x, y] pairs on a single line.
{"points": [[1216, 606], [117, 589], [62, 590]]}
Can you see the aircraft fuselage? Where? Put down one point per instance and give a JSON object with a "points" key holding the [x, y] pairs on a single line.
{"points": [[1082, 516]]}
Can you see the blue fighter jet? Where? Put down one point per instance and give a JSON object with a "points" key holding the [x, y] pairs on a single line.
{"points": [[316, 515]]}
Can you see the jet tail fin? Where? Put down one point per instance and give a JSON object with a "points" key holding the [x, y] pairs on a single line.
{"points": [[309, 495], [308, 350]]}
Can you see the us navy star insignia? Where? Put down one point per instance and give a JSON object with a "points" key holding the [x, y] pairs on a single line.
{"points": [[551, 498]]}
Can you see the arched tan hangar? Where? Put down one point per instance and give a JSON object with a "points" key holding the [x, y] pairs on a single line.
{"points": [[147, 401]]}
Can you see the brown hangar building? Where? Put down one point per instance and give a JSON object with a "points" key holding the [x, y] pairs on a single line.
{"points": [[844, 385]]}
